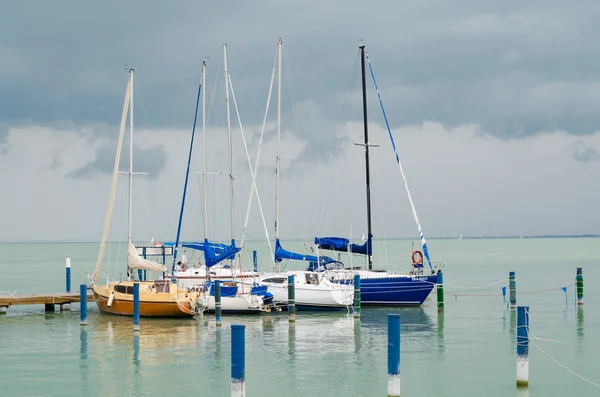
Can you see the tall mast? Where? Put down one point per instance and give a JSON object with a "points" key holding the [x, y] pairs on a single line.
{"points": [[204, 146], [187, 175], [368, 173], [229, 147], [278, 155], [129, 222]]}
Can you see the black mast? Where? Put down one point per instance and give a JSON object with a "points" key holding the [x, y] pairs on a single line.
{"points": [[368, 177]]}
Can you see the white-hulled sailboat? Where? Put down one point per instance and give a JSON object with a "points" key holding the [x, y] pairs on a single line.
{"points": [[234, 297]]}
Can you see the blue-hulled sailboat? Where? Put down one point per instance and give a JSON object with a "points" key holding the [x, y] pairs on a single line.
{"points": [[379, 287]]}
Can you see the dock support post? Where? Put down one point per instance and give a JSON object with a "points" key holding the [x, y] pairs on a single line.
{"points": [[136, 306], [393, 355], [238, 360], [579, 279], [254, 261], [218, 302], [440, 292], [357, 296], [49, 307], [291, 298], [512, 286], [3, 310], [523, 346], [83, 304]]}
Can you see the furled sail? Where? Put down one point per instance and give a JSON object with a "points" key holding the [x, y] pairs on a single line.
{"points": [[343, 244], [135, 261], [281, 254]]}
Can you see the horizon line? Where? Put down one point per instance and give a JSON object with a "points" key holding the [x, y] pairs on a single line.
{"points": [[583, 235]]}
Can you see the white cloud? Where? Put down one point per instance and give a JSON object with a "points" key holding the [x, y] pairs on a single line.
{"points": [[462, 180]]}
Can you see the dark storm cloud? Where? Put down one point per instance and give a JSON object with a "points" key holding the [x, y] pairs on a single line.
{"points": [[514, 68], [585, 153], [148, 160]]}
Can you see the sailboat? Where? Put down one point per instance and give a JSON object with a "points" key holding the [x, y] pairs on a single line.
{"points": [[234, 297], [311, 289], [379, 287], [158, 298]]}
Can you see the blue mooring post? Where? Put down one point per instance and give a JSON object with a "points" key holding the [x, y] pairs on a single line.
{"points": [[291, 298], [512, 286], [83, 304], [67, 306], [254, 261], [393, 355], [136, 306], [238, 360], [218, 302], [523, 346], [579, 280], [357, 296], [68, 275]]}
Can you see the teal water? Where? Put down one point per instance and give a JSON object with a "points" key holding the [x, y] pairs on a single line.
{"points": [[468, 351]]}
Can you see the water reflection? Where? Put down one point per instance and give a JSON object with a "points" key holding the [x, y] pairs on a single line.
{"points": [[267, 324], [136, 352], [357, 340], [292, 341], [580, 332], [113, 334], [412, 319], [440, 334], [522, 392], [513, 329], [83, 353], [218, 344]]}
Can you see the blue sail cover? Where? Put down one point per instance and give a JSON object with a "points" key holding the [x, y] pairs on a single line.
{"points": [[226, 290], [218, 248], [343, 244], [213, 252], [281, 254], [214, 255]]}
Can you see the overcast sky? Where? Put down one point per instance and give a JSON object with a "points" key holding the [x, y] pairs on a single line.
{"points": [[495, 109]]}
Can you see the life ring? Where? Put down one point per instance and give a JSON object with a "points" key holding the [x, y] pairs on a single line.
{"points": [[417, 257]]}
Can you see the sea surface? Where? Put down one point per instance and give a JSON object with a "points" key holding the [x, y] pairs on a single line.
{"points": [[470, 350]]}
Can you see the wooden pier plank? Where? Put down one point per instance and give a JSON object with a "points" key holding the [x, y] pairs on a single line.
{"points": [[41, 299]]}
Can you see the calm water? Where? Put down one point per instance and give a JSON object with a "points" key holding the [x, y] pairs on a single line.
{"points": [[469, 351]]}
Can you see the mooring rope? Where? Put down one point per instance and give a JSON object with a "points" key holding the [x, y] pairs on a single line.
{"points": [[565, 367], [563, 343], [477, 288]]}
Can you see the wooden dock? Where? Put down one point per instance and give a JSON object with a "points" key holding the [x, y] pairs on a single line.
{"points": [[48, 300]]}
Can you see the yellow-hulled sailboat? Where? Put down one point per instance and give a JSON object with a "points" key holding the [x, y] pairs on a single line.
{"points": [[159, 298]]}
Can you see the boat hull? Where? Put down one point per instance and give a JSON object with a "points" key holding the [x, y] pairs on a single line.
{"points": [[152, 304], [313, 297], [240, 304], [384, 289]]}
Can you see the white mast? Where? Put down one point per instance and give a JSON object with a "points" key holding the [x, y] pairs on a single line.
{"points": [[229, 147], [113, 189], [130, 157], [204, 145], [278, 156]]}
